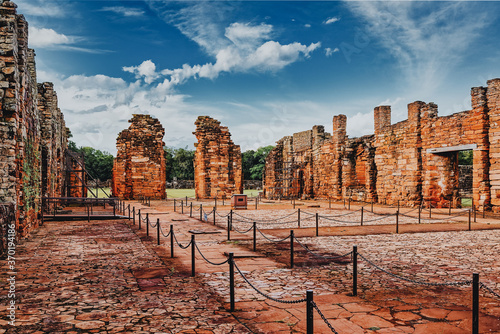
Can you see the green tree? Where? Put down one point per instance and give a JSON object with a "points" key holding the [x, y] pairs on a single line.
{"points": [[465, 157], [98, 164], [179, 163], [254, 161]]}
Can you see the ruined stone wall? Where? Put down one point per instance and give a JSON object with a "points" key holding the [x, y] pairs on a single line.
{"points": [[139, 167], [412, 161], [54, 142], [19, 121], [30, 122], [217, 161]]}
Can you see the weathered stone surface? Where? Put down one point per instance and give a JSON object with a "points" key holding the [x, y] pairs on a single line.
{"points": [[139, 167], [217, 161], [400, 163], [33, 135]]}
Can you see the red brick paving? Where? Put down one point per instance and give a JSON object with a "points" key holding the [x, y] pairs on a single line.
{"points": [[108, 277]]}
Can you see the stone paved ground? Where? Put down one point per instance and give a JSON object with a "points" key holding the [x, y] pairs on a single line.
{"points": [[109, 277]]}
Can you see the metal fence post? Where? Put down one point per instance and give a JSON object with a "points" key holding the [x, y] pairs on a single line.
{"points": [[254, 236], [372, 205], [228, 229], [298, 216], [171, 240], [140, 219], [193, 264], [329, 202], [309, 312], [469, 221], [191, 210], [475, 303], [182, 207], [397, 221], [147, 224], [215, 208], [292, 236], [430, 209], [186, 200], [349, 204], [158, 231], [362, 216], [355, 270], [129, 213], [231, 281], [317, 224], [449, 211], [175, 205], [256, 202], [201, 212], [133, 214], [419, 213], [231, 218], [474, 209]]}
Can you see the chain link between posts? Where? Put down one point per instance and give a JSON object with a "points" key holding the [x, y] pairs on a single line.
{"points": [[265, 295], [324, 318]]}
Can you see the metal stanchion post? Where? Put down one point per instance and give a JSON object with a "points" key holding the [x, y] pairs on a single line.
{"points": [[469, 221], [309, 312], [228, 228], [147, 224], [175, 205], [158, 231], [191, 210], [193, 265], [298, 217], [397, 221], [201, 212], [215, 208], [231, 281], [317, 224], [291, 248], [355, 270], [475, 303], [362, 216], [140, 219], [172, 241], [254, 236]]}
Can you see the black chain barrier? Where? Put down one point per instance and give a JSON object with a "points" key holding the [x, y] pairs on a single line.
{"points": [[324, 318], [207, 260], [322, 256], [265, 295], [264, 220], [167, 235], [244, 232], [180, 245], [279, 240], [489, 290], [463, 283]]}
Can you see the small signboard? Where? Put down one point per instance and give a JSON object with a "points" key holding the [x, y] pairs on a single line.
{"points": [[238, 201]]}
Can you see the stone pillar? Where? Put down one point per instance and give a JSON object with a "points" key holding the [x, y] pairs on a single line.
{"points": [[382, 118], [217, 162], [493, 105], [139, 168]]}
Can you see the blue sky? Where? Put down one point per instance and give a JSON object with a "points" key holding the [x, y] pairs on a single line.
{"points": [[265, 69]]}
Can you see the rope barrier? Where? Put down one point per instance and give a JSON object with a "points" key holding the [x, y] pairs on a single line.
{"points": [[265, 295], [207, 260], [468, 282]]}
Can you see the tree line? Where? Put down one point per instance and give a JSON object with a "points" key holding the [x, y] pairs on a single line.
{"points": [[179, 162]]}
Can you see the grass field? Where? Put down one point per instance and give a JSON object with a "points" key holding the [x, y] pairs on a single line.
{"points": [[178, 193], [171, 193]]}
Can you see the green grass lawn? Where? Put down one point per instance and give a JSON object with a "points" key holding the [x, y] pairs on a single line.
{"points": [[179, 193]]}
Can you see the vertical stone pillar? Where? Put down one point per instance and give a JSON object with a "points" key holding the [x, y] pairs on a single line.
{"points": [[139, 168], [217, 161], [493, 105], [382, 118]]}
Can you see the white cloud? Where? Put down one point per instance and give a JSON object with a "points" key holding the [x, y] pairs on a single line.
{"points": [[236, 46], [307, 25], [125, 11], [40, 9], [331, 20], [146, 70], [43, 38], [329, 52], [426, 46]]}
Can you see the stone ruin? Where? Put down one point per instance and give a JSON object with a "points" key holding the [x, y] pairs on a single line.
{"points": [[33, 134], [217, 161], [139, 169], [411, 161]]}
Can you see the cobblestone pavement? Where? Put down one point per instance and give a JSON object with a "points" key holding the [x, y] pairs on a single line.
{"points": [[109, 277], [98, 277]]}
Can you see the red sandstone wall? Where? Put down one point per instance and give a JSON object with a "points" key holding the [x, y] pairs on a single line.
{"points": [[493, 106], [217, 162], [139, 167]]}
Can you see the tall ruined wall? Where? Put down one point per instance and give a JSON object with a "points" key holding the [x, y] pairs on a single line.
{"points": [[411, 161], [139, 169], [217, 161], [19, 121], [54, 142]]}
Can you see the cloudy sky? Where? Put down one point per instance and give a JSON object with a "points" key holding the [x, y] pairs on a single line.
{"points": [[264, 69]]}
